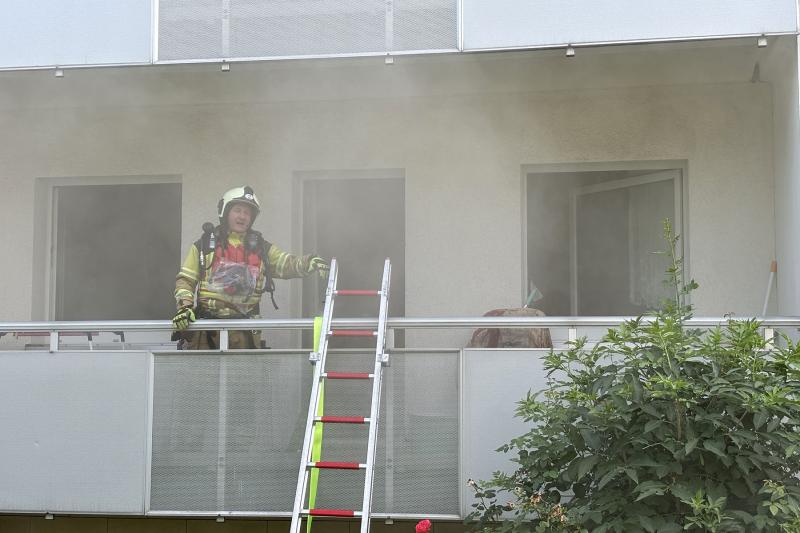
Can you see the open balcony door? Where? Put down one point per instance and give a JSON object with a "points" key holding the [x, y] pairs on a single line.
{"points": [[616, 228], [115, 251], [358, 217]]}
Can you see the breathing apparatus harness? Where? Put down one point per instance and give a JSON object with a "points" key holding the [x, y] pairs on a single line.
{"points": [[253, 242]]}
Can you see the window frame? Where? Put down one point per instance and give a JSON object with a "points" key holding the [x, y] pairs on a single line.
{"points": [[43, 304], [682, 200]]}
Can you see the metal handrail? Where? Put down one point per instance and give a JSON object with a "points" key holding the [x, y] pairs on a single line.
{"points": [[392, 323]]}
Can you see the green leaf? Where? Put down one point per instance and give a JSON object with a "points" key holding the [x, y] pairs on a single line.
{"points": [[591, 439], [571, 473], [759, 418], [585, 465], [744, 464], [650, 426], [739, 489], [631, 473], [606, 479], [649, 488], [683, 492], [716, 491], [670, 527], [650, 410], [636, 385], [716, 447], [643, 460], [774, 509], [691, 445], [744, 517], [647, 523], [773, 424]]}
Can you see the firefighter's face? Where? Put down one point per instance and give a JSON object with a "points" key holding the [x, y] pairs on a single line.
{"points": [[240, 217]]}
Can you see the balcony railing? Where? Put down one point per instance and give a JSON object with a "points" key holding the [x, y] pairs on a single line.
{"points": [[572, 324], [156, 431]]}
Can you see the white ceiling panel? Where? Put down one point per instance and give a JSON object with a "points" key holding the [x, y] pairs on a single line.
{"points": [[490, 24], [74, 32]]}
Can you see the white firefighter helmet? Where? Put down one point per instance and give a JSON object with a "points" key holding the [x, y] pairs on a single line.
{"points": [[237, 195]]}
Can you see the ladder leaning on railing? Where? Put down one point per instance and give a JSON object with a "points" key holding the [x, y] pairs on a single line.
{"points": [[319, 359]]}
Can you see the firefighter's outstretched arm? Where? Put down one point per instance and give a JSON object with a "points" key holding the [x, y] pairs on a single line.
{"points": [[284, 265]]}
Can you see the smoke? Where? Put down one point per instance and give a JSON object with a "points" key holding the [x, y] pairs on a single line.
{"points": [[359, 218], [458, 127], [117, 251]]}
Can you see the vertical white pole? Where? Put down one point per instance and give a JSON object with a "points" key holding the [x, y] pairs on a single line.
{"points": [[773, 268], [769, 336], [222, 425], [53, 341], [572, 334]]}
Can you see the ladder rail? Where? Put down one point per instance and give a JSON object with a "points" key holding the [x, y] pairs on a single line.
{"points": [[318, 359], [381, 361]]}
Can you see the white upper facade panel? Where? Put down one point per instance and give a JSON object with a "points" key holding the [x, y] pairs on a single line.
{"points": [[75, 32], [502, 24], [96, 32], [240, 29]]}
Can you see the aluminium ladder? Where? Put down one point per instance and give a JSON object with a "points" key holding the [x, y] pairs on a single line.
{"points": [[318, 359]]}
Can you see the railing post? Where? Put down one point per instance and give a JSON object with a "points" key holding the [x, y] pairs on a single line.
{"points": [[222, 432], [572, 334], [53, 341], [769, 336], [223, 339]]}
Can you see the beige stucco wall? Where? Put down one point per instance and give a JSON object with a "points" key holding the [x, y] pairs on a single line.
{"points": [[460, 127]]}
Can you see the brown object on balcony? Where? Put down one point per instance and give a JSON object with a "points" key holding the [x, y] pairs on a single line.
{"points": [[511, 337]]}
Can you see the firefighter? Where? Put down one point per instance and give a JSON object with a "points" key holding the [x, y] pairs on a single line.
{"points": [[229, 268]]}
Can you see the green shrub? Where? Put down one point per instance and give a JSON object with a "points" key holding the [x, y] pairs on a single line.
{"points": [[658, 428]]}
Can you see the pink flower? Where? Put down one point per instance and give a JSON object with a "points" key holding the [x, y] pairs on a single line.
{"points": [[423, 526]]}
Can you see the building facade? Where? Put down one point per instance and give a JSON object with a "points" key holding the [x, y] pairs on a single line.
{"points": [[494, 150]]}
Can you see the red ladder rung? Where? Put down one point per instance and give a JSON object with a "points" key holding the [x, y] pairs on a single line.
{"points": [[347, 375], [353, 333], [332, 512], [337, 465], [357, 292], [342, 419]]}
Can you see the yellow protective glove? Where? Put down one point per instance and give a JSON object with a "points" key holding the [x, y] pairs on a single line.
{"points": [[183, 318], [317, 263]]}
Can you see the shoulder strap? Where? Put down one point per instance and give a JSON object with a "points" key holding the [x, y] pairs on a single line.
{"points": [[262, 247], [206, 244]]}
